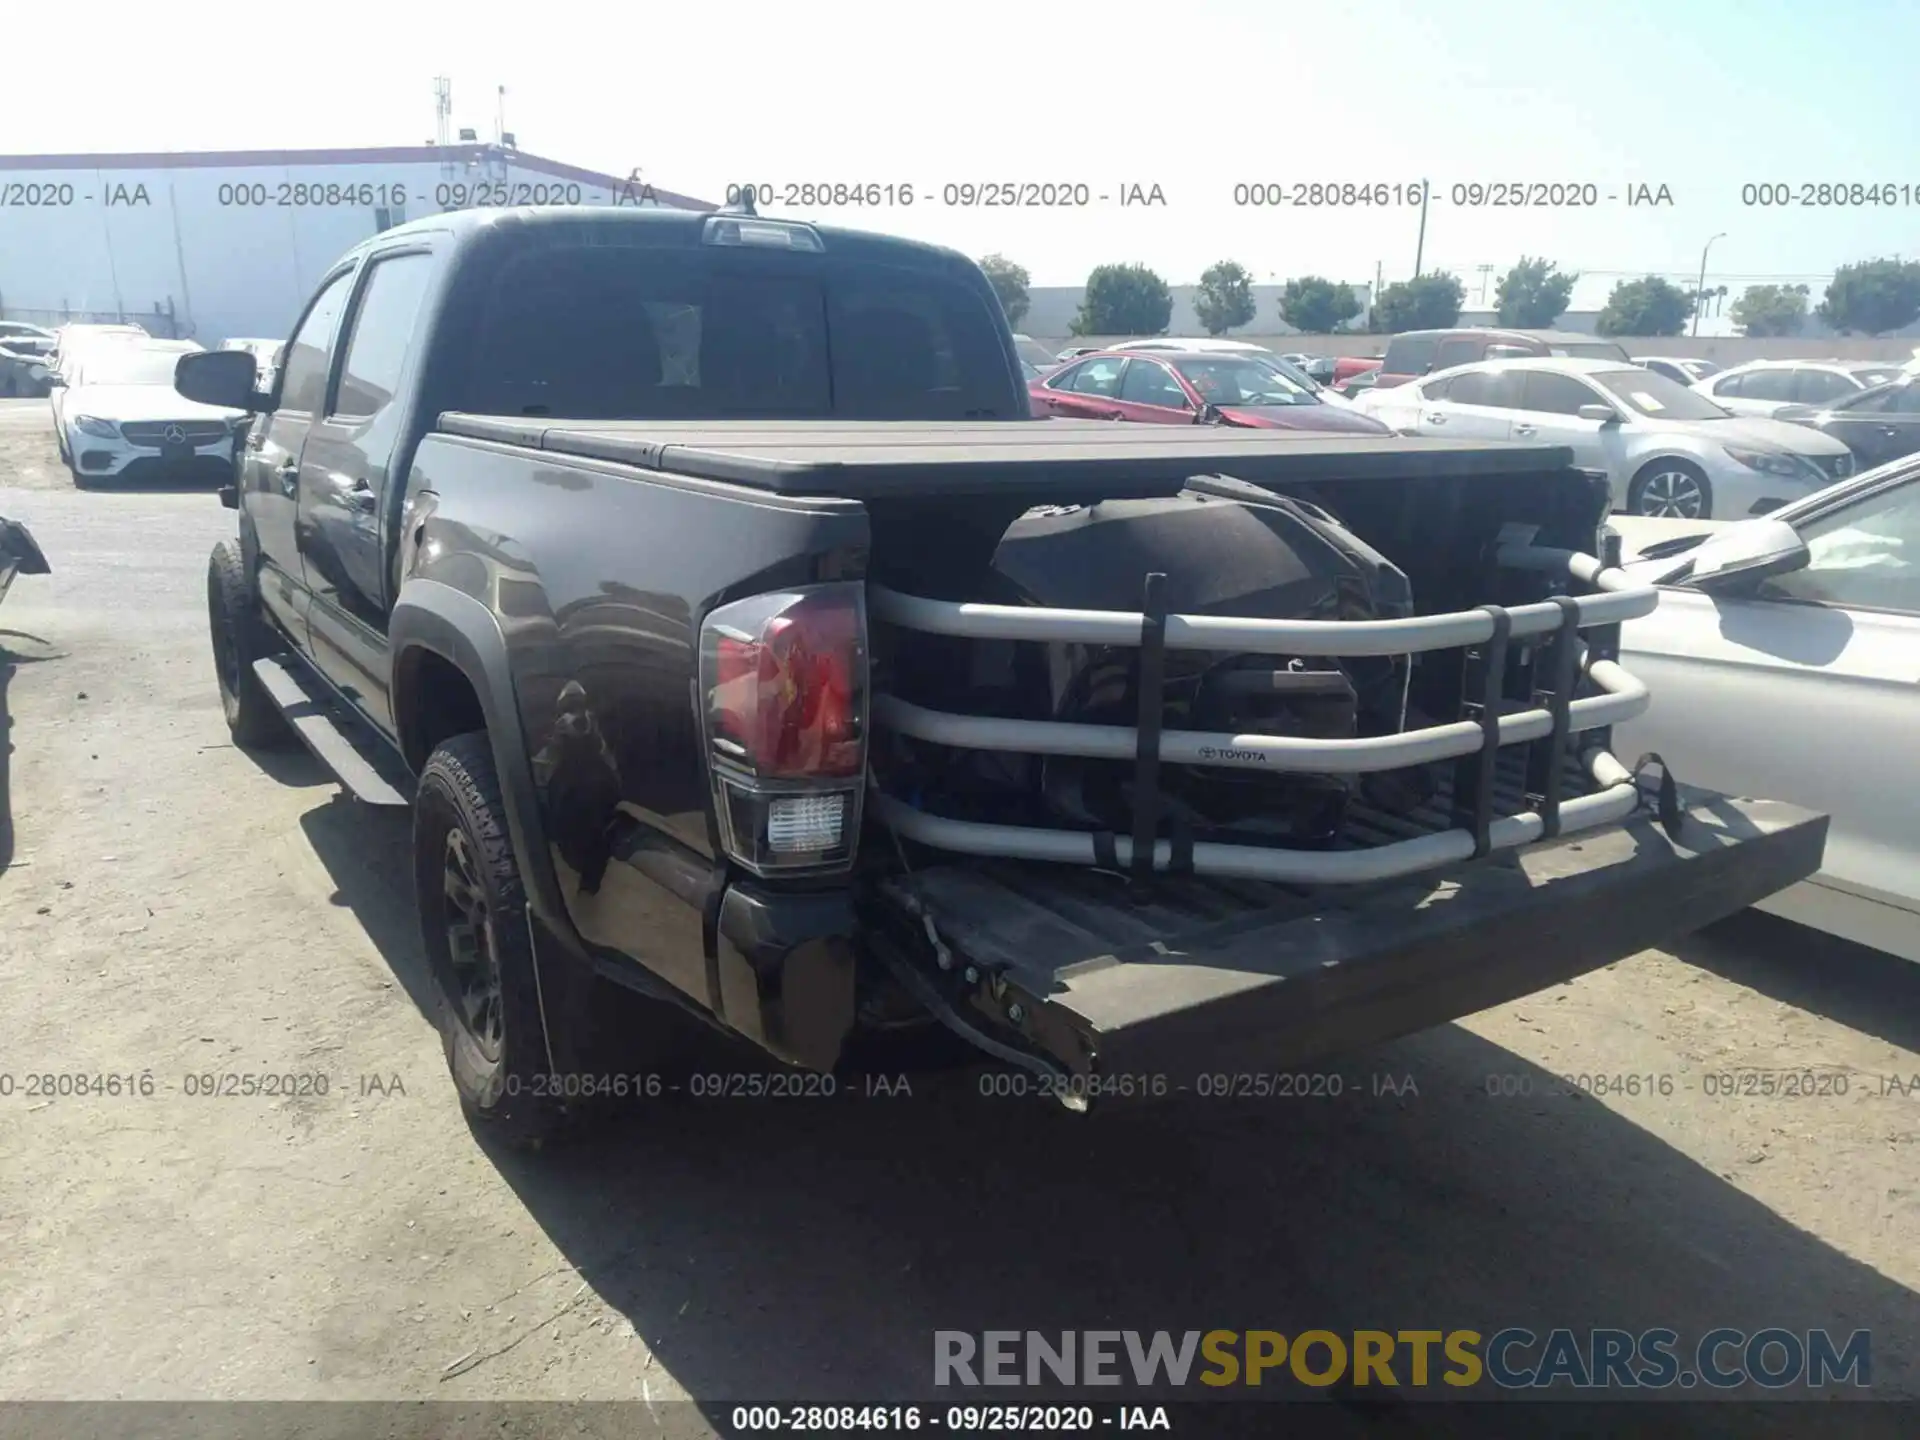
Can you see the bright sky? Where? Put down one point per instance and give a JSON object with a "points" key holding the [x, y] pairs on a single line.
{"points": [[1702, 96]]}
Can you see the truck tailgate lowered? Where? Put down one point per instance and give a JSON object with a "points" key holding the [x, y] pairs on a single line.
{"points": [[1212, 978]]}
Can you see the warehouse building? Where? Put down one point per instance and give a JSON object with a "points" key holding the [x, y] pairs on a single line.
{"points": [[207, 246]]}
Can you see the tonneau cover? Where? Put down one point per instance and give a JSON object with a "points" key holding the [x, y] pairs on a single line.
{"points": [[879, 459]]}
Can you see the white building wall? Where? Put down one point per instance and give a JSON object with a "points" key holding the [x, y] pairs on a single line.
{"points": [[233, 244]]}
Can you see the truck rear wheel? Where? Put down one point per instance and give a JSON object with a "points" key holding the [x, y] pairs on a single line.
{"points": [[240, 637], [473, 920]]}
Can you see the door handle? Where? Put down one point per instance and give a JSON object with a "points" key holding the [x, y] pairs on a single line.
{"points": [[288, 473], [1888, 431], [1434, 417], [1526, 429], [360, 496]]}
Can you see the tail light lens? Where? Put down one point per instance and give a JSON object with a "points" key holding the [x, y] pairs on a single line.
{"points": [[783, 680]]}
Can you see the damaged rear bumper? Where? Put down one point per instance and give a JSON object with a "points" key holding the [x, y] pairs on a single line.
{"points": [[1320, 975]]}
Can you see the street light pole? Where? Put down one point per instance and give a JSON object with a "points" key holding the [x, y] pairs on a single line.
{"points": [[1420, 246], [1700, 304]]}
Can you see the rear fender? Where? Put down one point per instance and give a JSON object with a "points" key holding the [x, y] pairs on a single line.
{"points": [[449, 623]]}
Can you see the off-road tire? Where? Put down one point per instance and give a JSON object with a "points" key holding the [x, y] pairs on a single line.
{"points": [[507, 1094], [240, 636], [1638, 499]]}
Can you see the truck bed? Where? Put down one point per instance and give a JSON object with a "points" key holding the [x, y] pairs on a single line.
{"points": [[1237, 977], [883, 459]]}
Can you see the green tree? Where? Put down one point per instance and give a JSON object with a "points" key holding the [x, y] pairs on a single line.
{"points": [[1874, 296], [1649, 306], [1771, 310], [1009, 282], [1426, 302], [1533, 294], [1123, 300], [1225, 298], [1315, 305]]}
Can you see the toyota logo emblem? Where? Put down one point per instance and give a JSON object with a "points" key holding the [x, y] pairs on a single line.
{"points": [[174, 435]]}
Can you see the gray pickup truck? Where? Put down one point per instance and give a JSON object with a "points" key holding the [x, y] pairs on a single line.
{"points": [[750, 658]]}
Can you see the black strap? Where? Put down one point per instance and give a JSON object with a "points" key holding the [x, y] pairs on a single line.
{"points": [[1182, 835], [1152, 676], [1105, 854], [1493, 660], [1551, 774], [1667, 797]]}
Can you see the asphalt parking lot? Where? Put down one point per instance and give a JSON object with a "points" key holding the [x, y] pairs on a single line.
{"points": [[170, 907]]}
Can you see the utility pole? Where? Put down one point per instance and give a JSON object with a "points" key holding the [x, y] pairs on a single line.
{"points": [[1699, 300], [1485, 271], [1420, 246]]}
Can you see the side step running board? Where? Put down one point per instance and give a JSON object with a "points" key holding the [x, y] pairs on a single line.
{"points": [[329, 735]]}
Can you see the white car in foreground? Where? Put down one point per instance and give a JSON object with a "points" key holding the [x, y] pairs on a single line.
{"points": [[1667, 450], [1786, 655], [116, 414]]}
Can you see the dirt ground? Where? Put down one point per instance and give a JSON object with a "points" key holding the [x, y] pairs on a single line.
{"points": [[171, 907]]}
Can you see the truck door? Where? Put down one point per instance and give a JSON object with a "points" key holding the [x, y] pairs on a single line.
{"points": [[270, 463], [347, 473]]}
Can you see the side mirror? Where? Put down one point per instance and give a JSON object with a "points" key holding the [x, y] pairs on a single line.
{"points": [[1207, 414], [57, 381], [218, 377], [1741, 556], [1605, 414]]}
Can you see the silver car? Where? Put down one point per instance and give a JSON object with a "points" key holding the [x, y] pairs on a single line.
{"points": [[1786, 655], [1766, 387], [1668, 450]]}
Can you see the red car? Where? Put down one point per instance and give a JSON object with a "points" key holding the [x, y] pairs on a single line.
{"points": [[1348, 367], [1199, 388]]}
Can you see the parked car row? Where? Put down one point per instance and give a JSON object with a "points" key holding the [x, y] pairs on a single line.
{"points": [[1667, 449]]}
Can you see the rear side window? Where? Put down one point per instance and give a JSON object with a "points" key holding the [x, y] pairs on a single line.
{"points": [[303, 384], [612, 332], [1732, 385], [1767, 385], [1459, 352], [1408, 355], [1498, 389], [1097, 377], [382, 328]]}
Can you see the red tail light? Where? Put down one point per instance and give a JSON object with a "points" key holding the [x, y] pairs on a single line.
{"points": [[783, 681], [788, 696]]}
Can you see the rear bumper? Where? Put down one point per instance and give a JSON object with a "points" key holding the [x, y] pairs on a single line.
{"points": [[1306, 984]]}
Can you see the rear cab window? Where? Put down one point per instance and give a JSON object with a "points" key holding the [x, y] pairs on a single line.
{"points": [[641, 331], [1409, 355]]}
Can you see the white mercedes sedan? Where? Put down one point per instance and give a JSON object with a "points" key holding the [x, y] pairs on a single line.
{"points": [[117, 415], [1785, 658]]}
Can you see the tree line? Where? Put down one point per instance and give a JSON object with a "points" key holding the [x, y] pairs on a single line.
{"points": [[1870, 297]]}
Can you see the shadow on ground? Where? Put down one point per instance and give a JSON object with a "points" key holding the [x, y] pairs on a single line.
{"points": [[809, 1249], [1865, 990]]}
